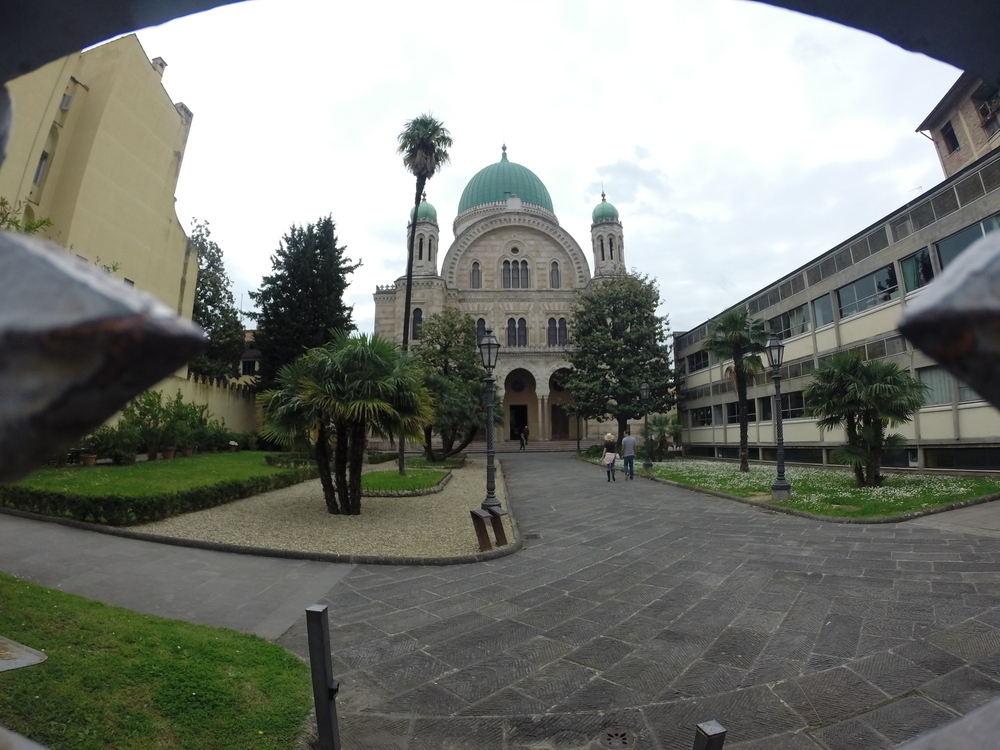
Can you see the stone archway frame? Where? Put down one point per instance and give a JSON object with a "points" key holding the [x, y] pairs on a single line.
{"points": [[449, 268]]}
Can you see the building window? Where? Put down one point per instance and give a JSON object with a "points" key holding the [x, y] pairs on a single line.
{"points": [[420, 252], [917, 270], [562, 332], [554, 281], [791, 323], [938, 382], [418, 320], [733, 413], [701, 417], [553, 335], [950, 139], [476, 280], [430, 248], [480, 330], [697, 361], [951, 247], [522, 332], [515, 275], [868, 291], [764, 408], [602, 248], [717, 413], [611, 247], [524, 274], [506, 274], [511, 332], [43, 161], [792, 406], [249, 366], [822, 310]]}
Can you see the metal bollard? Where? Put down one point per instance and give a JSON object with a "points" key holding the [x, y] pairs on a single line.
{"points": [[709, 735], [324, 686]]}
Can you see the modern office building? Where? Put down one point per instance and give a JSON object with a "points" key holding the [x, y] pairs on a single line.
{"points": [[851, 298], [516, 271]]}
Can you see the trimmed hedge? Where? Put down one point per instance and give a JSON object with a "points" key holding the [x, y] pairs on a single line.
{"points": [[290, 460], [115, 510]]}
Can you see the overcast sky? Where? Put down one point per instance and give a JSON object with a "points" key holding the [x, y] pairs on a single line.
{"points": [[737, 140]]}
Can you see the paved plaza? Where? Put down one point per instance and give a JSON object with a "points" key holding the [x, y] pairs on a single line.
{"points": [[634, 607]]}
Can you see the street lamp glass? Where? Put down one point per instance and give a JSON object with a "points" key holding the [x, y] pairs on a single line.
{"points": [[489, 349], [775, 350], [644, 391]]}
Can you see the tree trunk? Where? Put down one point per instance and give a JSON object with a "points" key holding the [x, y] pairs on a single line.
{"points": [[356, 456], [428, 448], [851, 430], [741, 412], [340, 468], [323, 464], [622, 426], [421, 181], [469, 437]]}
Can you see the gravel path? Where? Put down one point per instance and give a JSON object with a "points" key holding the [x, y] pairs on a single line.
{"points": [[295, 518]]}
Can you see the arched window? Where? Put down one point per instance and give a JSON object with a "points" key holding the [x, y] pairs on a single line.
{"points": [[430, 248], [477, 276], [562, 331], [511, 332], [420, 252], [418, 319], [611, 246], [522, 332], [506, 274], [602, 248], [524, 274], [515, 275], [553, 340], [554, 281], [480, 330]]}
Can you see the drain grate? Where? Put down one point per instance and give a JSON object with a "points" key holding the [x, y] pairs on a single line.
{"points": [[532, 536], [617, 737]]}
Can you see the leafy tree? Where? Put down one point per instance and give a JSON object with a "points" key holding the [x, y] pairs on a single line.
{"points": [[735, 335], [448, 351], [337, 394], [619, 342], [302, 300], [215, 310], [865, 398], [10, 218], [424, 145]]}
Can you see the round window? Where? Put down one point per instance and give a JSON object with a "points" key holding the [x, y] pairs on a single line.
{"points": [[517, 385], [514, 251]]}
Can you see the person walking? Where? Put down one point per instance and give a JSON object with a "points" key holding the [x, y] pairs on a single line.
{"points": [[610, 456], [524, 437], [628, 455]]}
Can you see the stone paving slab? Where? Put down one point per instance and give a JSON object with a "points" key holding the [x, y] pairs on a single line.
{"points": [[662, 608]]}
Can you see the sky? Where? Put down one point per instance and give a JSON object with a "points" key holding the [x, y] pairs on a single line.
{"points": [[737, 140]]}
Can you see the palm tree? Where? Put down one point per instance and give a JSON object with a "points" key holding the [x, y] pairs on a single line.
{"points": [[290, 415], [866, 398], [735, 335], [424, 145]]}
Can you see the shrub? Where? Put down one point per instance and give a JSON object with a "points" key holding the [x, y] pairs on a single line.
{"points": [[148, 416], [115, 510]]}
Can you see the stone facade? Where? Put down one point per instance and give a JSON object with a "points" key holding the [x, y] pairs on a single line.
{"points": [[965, 124], [514, 270]]}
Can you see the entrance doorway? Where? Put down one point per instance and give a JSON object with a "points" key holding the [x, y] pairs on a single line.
{"points": [[560, 423], [518, 420]]}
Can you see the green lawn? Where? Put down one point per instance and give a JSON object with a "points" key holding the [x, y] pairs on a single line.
{"points": [[830, 492], [390, 481], [150, 478], [118, 680], [423, 463]]}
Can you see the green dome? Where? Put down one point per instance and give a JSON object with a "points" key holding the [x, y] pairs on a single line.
{"points": [[605, 211], [426, 212], [498, 181]]}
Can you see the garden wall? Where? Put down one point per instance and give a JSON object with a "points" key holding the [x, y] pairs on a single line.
{"points": [[226, 401]]}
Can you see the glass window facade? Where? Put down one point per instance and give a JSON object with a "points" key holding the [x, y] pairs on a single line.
{"points": [[868, 291]]}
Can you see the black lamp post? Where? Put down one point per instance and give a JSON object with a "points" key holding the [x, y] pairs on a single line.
{"points": [[781, 490], [647, 464], [489, 349]]}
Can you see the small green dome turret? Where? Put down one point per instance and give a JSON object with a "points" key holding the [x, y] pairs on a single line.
{"points": [[426, 212], [497, 182], [605, 211]]}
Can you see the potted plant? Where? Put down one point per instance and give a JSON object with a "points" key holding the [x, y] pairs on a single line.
{"points": [[98, 444]]}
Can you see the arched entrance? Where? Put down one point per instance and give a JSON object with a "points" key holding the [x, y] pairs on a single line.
{"points": [[564, 426], [520, 403]]}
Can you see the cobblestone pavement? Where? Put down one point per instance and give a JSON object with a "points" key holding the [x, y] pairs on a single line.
{"points": [[639, 609]]}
